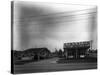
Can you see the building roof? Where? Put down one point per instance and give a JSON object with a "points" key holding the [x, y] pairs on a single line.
{"points": [[36, 50], [84, 44]]}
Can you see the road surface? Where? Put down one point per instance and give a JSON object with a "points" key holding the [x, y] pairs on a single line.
{"points": [[49, 65]]}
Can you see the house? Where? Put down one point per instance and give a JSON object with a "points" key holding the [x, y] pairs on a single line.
{"points": [[76, 49], [37, 53]]}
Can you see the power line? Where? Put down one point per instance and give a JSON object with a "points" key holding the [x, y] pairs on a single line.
{"points": [[89, 15]]}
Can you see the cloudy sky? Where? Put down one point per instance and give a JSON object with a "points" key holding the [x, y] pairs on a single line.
{"points": [[51, 25]]}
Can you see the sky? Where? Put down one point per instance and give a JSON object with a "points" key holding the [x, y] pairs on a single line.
{"points": [[51, 25]]}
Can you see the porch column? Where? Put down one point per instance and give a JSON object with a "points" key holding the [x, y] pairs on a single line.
{"points": [[76, 54], [66, 54], [38, 57]]}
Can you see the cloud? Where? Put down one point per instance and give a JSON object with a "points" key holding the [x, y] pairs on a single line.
{"points": [[34, 28]]}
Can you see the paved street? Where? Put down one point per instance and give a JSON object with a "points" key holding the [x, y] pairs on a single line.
{"points": [[51, 65]]}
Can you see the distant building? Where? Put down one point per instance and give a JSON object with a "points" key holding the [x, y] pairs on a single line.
{"points": [[76, 49], [37, 53], [16, 54]]}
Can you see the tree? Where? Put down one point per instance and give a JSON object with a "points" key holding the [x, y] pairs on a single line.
{"points": [[60, 53]]}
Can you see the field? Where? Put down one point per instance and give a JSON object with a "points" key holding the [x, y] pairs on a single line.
{"points": [[52, 64]]}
